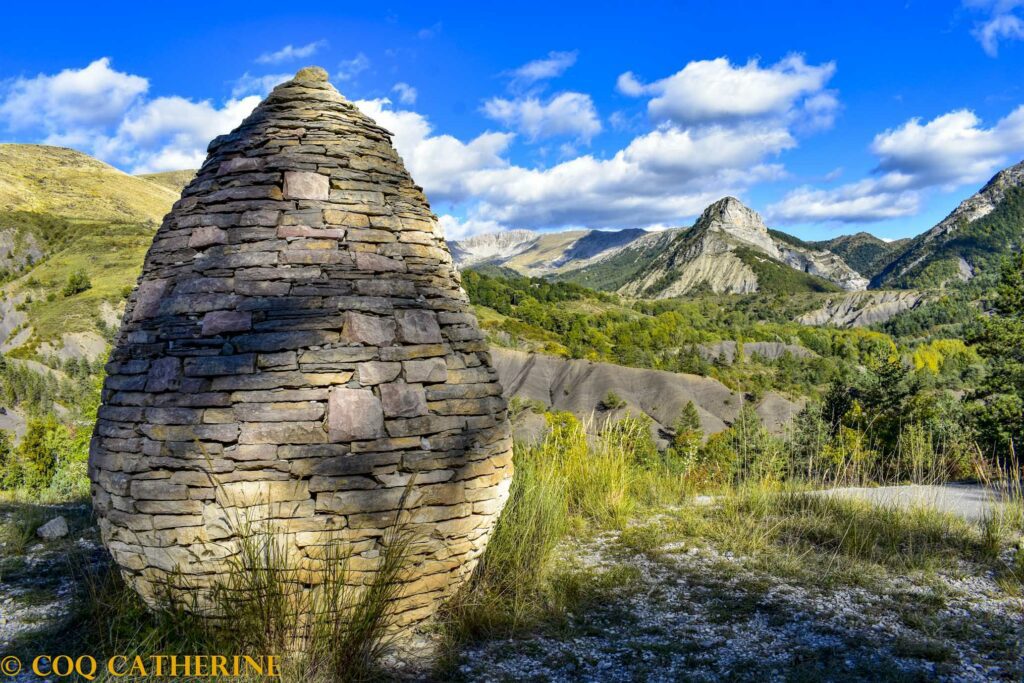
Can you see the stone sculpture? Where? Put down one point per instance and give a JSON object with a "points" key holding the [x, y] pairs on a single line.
{"points": [[297, 349]]}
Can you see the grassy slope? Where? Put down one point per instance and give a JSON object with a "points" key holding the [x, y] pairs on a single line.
{"points": [[864, 252], [172, 180], [612, 273], [87, 216], [982, 243], [61, 182], [774, 276]]}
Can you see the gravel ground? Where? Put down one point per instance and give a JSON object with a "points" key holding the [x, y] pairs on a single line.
{"points": [[694, 614], [682, 612]]}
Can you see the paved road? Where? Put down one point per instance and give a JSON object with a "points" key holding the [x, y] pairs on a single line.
{"points": [[971, 502]]}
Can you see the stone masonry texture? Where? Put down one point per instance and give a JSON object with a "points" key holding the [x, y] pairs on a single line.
{"points": [[297, 351]]}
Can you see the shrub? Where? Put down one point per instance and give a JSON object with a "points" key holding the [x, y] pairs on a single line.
{"points": [[612, 401], [77, 282], [46, 445]]}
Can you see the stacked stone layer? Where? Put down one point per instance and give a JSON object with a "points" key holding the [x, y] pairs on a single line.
{"points": [[297, 350]]}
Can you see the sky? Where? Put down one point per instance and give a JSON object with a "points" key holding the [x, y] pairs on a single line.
{"points": [[827, 118]]}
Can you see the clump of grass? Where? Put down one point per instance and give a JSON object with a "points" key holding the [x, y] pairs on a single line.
{"points": [[506, 592], [327, 629], [20, 530], [568, 483]]}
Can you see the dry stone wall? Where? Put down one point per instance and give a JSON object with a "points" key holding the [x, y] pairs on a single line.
{"points": [[298, 349]]}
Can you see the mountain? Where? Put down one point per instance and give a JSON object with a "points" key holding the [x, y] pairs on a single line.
{"points": [[541, 253], [62, 212], [730, 250], [972, 239], [862, 251]]}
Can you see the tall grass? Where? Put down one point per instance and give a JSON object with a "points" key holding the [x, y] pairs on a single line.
{"points": [[568, 483], [325, 628], [572, 483]]}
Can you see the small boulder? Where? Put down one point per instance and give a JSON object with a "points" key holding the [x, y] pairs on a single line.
{"points": [[55, 528]]}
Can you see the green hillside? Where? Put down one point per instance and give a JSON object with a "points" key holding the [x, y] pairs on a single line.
{"points": [[174, 181], [64, 213], [776, 277], [970, 250], [615, 271], [864, 252]]}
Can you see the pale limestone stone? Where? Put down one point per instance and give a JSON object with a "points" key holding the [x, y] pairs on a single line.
{"points": [[354, 414], [403, 400], [306, 185], [417, 326], [368, 329], [429, 370], [376, 372]]}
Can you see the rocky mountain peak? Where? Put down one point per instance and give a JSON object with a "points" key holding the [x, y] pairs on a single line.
{"points": [[491, 246], [730, 216], [981, 203]]}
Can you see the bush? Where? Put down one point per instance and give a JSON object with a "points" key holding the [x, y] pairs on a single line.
{"points": [[77, 282], [46, 446], [612, 401]]}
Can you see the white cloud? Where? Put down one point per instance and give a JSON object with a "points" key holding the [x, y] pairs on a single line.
{"points": [[350, 68], [105, 112], [290, 53], [440, 163], [567, 113], [430, 31], [94, 96], [248, 84], [949, 151], [406, 93], [862, 202], [660, 178], [552, 66], [455, 229], [1002, 23], [171, 133], [717, 91]]}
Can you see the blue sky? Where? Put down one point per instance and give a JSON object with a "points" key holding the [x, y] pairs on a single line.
{"points": [[826, 117]]}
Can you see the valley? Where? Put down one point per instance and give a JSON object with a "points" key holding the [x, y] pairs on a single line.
{"points": [[666, 389]]}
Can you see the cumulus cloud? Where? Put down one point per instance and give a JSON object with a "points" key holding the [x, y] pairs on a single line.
{"points": [[865, 201], [552, 66], [656, 180], [290, 53], [567, 113], [718, 91], [949, 151], [94, 96], [1003, 23], [440, 163], [248, 84], [105, 112], [171, 133], [698, 151], [406, 93], [348, 69]]}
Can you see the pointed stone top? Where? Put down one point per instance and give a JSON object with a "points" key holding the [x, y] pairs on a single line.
{"points": [[312, 74]]}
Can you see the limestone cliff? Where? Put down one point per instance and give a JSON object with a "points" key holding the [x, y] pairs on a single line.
{"points": [[730, 250]]}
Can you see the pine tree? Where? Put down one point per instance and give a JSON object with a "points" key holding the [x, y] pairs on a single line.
{"points": [[999, 400]]}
